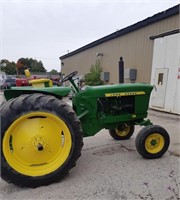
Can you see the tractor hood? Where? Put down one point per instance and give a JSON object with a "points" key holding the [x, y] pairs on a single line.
{"points": [[55, 91], [117, 90]]}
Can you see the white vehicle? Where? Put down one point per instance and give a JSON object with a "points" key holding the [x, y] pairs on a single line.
{"points": [[3, 77]]}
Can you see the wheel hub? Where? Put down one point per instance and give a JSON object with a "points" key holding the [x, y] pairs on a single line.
{"points": [[39, 143], [154, 143], [122, 130], [40, 147]]}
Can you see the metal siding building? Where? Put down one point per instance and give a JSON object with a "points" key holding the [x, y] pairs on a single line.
{"points": [[134, 44]]}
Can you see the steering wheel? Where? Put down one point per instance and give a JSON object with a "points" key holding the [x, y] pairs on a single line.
{"points": [[69, 76]]}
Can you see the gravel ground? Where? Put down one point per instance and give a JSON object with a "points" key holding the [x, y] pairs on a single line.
{"points": [[110, 170]]}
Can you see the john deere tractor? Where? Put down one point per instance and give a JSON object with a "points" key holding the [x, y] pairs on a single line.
{"points": [[42, 136]]}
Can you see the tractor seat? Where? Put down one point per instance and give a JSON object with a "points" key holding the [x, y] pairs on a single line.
{"points": [[38, 83]]}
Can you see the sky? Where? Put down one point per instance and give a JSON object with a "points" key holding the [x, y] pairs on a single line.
{"points": [[47, 29]]}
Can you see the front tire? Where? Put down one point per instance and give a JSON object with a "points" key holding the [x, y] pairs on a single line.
{"points": [[152, 142], [122, 132], [41, 140]]}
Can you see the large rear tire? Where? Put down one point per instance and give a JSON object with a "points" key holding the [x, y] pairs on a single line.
{"points": [[41, 140]]}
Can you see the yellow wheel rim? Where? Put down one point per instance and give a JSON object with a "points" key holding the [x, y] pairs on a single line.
{"points": [[37, 143], [123, 132], [154, 143]]}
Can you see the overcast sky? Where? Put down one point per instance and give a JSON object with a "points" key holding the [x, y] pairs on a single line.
{"points": [[47, 29]]}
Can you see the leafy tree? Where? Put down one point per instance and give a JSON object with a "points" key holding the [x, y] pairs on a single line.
{"points": [[53, 71], [4, 61], [32, 64], [93, 77], [8, 67], [22, 64]]}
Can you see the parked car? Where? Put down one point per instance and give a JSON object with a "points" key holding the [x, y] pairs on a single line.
{"points": [[9, 82]]}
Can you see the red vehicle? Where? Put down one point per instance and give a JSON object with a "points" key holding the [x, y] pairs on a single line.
{"points": [[22, 82]]}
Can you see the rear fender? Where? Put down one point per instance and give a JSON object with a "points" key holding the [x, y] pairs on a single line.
{"points": [[58, 92]]}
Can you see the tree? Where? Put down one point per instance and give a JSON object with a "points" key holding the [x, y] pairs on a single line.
{"points": [[93, 77], [53, 72], [22, 64], [32, 64], [8, 67]]}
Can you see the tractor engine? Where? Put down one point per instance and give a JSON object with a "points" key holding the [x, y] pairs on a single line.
{"points": [[116, 105]]}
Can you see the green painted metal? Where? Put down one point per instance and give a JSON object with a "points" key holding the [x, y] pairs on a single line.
{"points": [[85, 103], [74, 86], [100, 107], [144, 123], [17, 91]]}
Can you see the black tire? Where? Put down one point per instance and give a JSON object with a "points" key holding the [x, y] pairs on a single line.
{"points": [[152, 141], [122, 132], [42, 107]]}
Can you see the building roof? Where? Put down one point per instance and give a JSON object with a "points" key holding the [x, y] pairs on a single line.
{"points": [[155, 18]]}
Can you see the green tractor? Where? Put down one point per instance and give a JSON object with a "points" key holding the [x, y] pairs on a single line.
{"points": [[42, 136]]}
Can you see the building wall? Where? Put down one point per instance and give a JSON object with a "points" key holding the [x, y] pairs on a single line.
{"points": [[135, 47]]}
